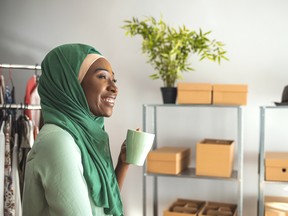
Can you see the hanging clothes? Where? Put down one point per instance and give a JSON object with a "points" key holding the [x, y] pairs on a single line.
{"points": [[9, 197], [26, 139], [2, 95], [15, 177], [32, 97], [35, 114], [2, 89], [16, 140], [2, 163], [9, 93], [30, 86]]}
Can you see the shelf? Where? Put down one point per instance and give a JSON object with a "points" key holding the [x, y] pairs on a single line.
{"points": [[192, 105], [190, 173], [275, 182], [262, 143], [150, 124], [274, 107]]}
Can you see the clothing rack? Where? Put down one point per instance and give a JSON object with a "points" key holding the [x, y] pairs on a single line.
{"points": [[16, 66], [20, 106]]}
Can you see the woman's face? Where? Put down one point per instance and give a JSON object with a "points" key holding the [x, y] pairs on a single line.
{"points": [[99, 88]]}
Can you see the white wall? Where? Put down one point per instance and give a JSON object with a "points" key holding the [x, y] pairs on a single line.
{"points": [[255, 34]]}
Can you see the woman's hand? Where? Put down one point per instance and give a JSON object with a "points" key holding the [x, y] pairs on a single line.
{"points": [[121, 167], [122, 155]]}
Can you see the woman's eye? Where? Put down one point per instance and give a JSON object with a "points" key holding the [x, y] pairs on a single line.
{"points": [[102, 76]]}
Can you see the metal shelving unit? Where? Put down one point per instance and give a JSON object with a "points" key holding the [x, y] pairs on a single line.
{"points": [[261, 169], [237, 175]]}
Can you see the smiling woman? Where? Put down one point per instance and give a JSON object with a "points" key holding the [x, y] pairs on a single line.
{"points": [[69, 170]]}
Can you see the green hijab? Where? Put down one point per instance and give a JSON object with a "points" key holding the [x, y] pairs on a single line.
{"points": [[63, 103]]}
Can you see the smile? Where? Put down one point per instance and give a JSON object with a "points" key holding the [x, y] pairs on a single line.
{"points": [[109, 100]]}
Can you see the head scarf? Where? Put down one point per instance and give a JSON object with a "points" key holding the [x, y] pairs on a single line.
{"points": [[88, 61], [63, 103]]}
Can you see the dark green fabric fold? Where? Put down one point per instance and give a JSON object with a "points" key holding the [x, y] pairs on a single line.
{"points": [[63, 103]]}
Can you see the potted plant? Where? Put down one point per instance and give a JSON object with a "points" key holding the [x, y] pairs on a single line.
{"points": [[168, 49]]}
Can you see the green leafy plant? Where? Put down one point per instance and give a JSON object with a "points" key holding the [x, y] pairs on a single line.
{"points": [[168, 48]]}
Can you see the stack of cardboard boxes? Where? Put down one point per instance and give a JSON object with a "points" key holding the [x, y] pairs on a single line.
{"points": [[205, 93], [276, 166], [276, 169], [214, 157]]}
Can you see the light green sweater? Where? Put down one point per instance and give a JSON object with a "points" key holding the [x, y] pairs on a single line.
{"points": [[54, 181]]}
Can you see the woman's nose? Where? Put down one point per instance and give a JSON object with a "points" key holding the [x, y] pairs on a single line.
{"points": [[112, 87]]}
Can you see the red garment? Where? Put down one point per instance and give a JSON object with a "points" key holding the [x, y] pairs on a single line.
{"points": [[31, 85]]}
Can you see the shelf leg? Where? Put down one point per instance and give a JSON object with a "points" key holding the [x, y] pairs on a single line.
{"points": [[155, 196]]}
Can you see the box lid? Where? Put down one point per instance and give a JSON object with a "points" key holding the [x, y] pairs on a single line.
{"points": [[217, 141], [194, 86], [168, 153], [276, 159], [230, 87]]}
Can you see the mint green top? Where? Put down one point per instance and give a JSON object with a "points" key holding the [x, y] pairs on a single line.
{"points": [[54, 183]]}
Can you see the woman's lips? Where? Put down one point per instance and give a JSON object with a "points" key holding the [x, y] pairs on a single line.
{"points": [[109, 100]]}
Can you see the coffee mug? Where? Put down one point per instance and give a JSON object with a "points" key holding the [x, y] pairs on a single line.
{"points": [[138, 145]]}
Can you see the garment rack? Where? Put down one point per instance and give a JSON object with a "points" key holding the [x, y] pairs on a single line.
{"points": [[16, 66], [20, 106]]}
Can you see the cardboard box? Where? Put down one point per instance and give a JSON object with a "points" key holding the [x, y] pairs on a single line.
{"points": [[215, 208], [184, 207], [168, 160], [276, 166], [215, 157], [276, 206], [230, 94], [274, 212], [194, 93]]}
